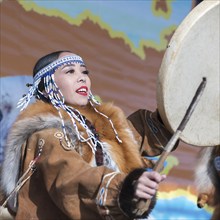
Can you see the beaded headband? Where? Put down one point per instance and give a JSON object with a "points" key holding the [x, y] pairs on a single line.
{"points": [[43, 73], [57, 100], [54, 65]]}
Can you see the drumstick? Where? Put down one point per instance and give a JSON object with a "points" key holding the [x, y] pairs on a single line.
{"points": [[144, 204]]}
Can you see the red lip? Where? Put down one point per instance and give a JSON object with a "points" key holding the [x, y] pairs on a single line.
{"points": [[83, 90]]}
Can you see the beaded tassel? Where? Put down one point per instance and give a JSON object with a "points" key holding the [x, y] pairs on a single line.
{"points": [[110, 121]]}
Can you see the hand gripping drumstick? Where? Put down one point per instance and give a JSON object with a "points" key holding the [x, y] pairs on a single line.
{"points": [[144, 204]]}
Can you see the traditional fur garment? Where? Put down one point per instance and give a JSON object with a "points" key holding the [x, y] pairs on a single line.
{"points": [[60, 171], [42, 116]]}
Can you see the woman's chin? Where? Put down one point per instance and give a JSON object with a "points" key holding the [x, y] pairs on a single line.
{"points": [[79, 104]]}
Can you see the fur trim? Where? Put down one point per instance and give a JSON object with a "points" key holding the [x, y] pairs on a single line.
{"points": [[125, 154], [202, 178], [21, 130], [127, 202]]}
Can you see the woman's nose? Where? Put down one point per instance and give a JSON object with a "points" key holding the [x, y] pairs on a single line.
{"points": [[81, 78]]}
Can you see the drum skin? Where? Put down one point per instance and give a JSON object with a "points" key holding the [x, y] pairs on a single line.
{"points": [[193, 53]]}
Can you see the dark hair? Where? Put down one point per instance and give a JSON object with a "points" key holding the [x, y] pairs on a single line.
{"points": [[44, 61]]}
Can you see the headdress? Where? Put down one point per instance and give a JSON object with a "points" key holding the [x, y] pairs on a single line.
{"points": [[57, 100]]}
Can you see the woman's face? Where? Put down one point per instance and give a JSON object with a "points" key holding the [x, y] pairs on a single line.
{"points": [[73, 81]]}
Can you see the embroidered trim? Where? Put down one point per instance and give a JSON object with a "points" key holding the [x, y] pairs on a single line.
{"points": [[154, 129], [101, 199], [41, 143], [59, 135], [25, 177]]}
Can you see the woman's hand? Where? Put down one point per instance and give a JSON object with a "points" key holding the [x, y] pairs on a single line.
{"points": [[146, 186]]}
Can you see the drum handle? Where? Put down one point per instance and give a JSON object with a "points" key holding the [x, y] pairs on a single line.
{"points": [[144, 204]]}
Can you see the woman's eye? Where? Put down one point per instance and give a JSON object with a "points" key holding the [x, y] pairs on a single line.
{"points": [[70, 71], [86, 72]]}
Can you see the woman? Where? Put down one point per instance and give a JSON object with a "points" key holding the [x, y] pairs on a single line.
{"points": [[70, 157]]}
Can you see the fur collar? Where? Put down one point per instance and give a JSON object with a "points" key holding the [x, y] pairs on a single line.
{"points": [[19, 133], [40, 115]]}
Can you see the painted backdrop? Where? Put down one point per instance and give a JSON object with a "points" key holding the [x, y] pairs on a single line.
{"points": [[122, 43]]}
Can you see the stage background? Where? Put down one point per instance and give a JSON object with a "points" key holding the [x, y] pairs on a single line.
{"points": [[122, 43]]}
